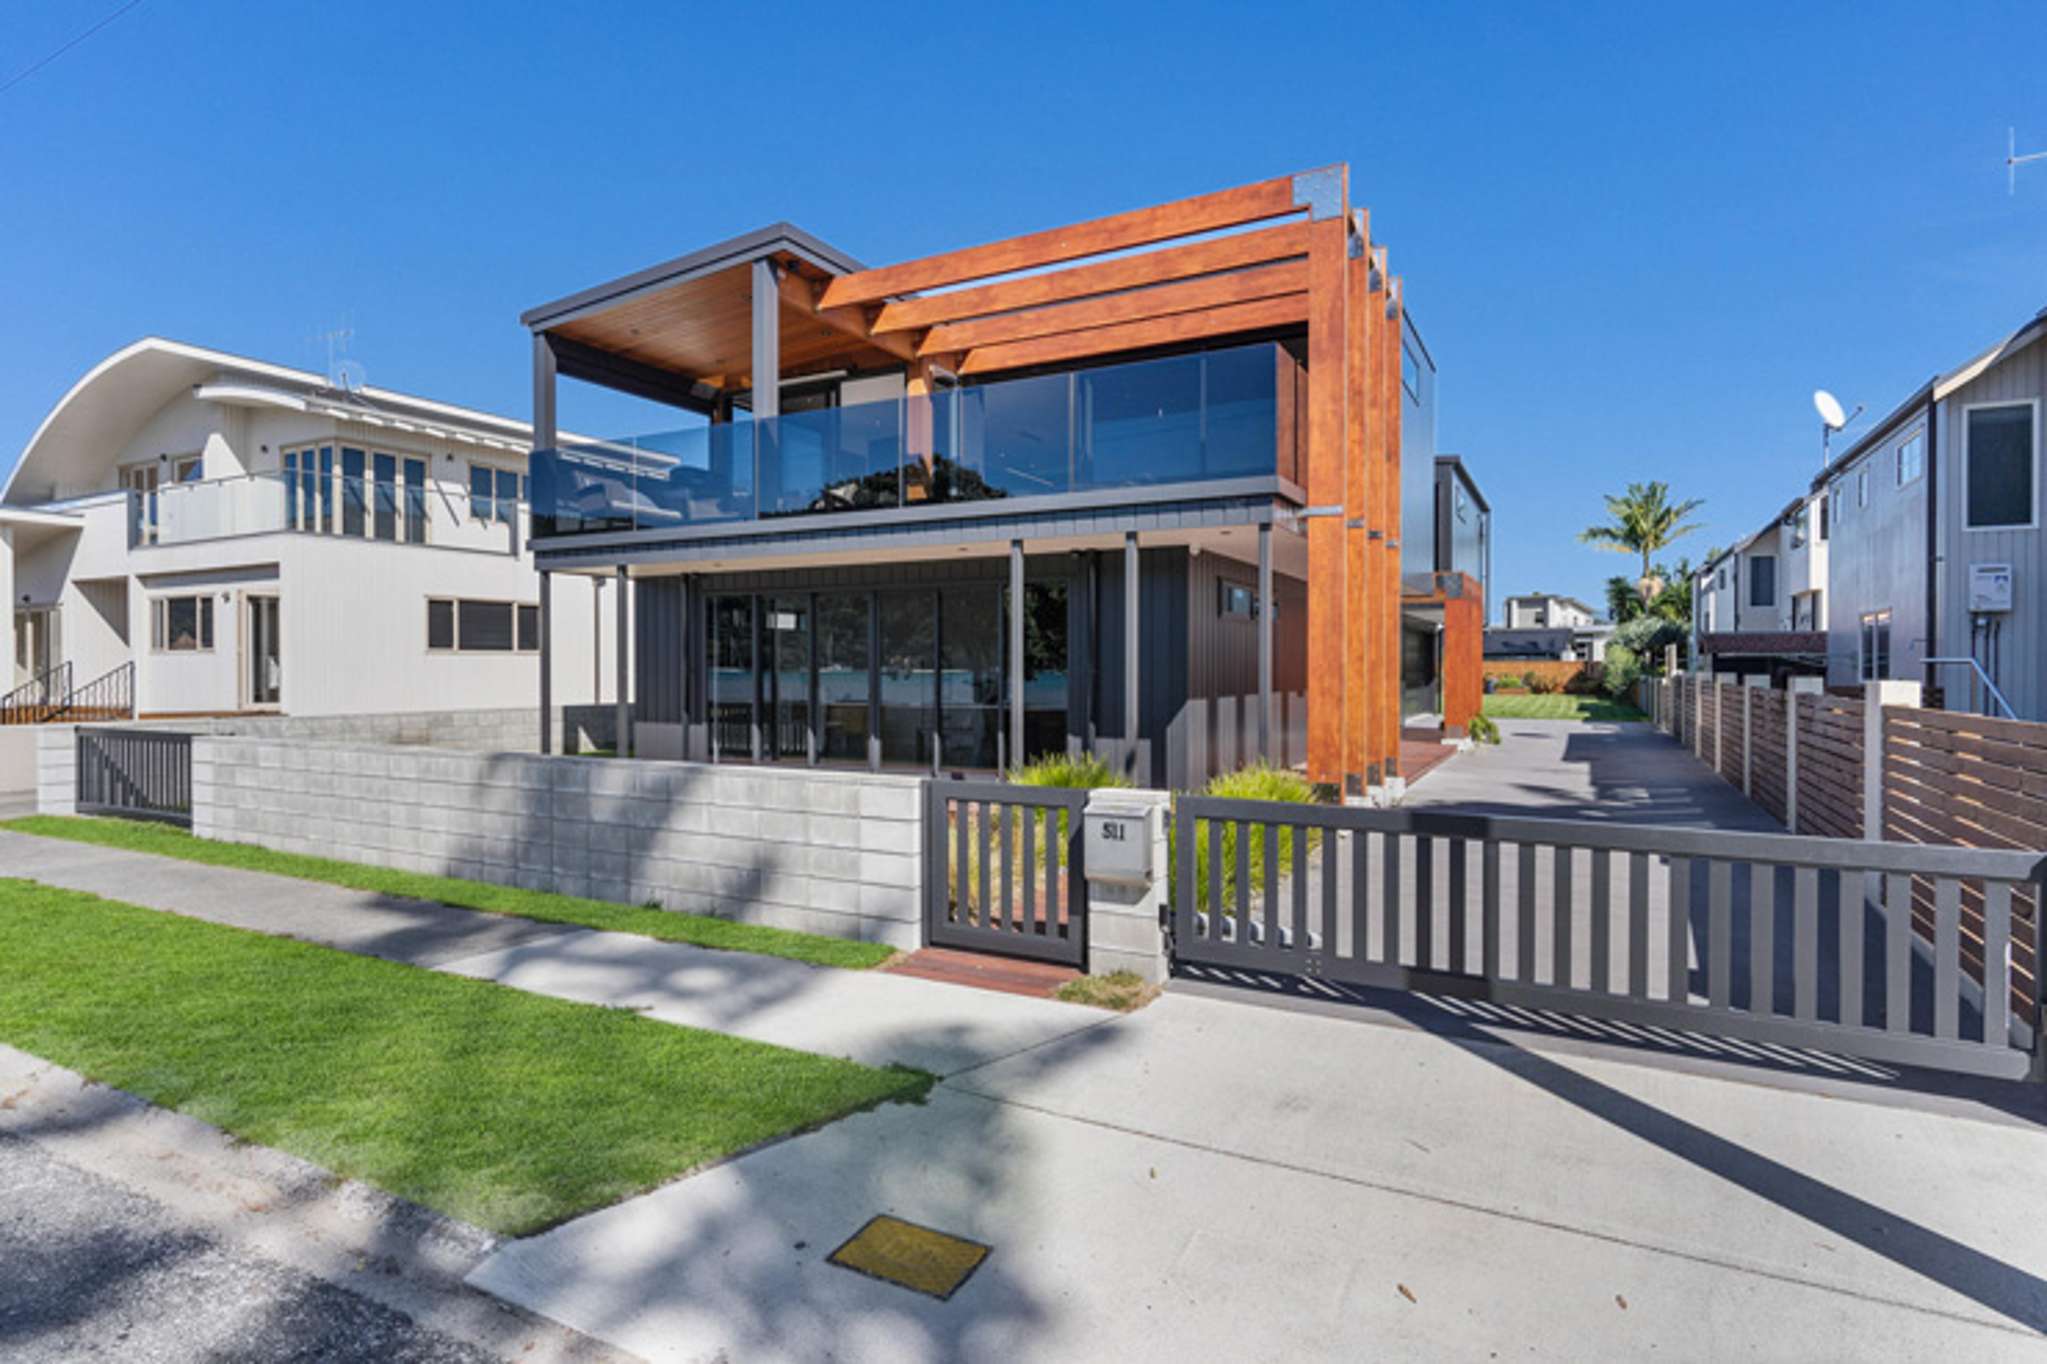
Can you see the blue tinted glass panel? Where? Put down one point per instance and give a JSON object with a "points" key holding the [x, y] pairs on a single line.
{"points": [[1141, 423]]}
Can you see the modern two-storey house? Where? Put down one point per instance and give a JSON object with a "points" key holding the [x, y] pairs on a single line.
{"points": [[1132, 486], [1760, 607], [1937, 565], [190, 532]]}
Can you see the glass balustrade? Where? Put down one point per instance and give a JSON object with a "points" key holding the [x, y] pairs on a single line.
{"points": [[1186, 419]]}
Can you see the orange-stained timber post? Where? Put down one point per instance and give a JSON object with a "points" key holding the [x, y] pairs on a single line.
{"points": [[1388, 671], [1359, 602], [1327, 338], [1463, 650]]}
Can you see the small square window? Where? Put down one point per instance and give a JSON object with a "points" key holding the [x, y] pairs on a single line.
{"points": [[529, 629], [1238, 600]]}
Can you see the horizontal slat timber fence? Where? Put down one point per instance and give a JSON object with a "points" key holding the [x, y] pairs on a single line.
{"points": [[1805, 942], [1979, 783], [1830, 763], [1731, 708]]}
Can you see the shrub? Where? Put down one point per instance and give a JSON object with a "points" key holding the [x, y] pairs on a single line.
{"points": [[1076, 771], [1589, 680], [1256, 782], [1541, 684], [1646, 637], [1623, 670], [1482, 730]]}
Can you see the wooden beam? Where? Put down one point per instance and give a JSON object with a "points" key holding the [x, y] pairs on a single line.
{"points": [[1327, 599], [1272, 198], [1288, 310], [1132, 305], [801, 294], [1082, 281]]}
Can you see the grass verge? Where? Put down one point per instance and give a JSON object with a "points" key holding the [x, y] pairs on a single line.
{"points": [[699, 930], [1558, 706], [1118, 990], [509, 1110]]}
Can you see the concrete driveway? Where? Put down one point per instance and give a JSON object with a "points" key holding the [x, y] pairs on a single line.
{"points": [[1568, 769], [1213, 1179]]}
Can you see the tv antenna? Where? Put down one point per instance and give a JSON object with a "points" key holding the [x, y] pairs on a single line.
{"points": [[343, 373], [2012, 160]]}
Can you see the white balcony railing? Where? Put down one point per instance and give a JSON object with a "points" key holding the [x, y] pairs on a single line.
{"points": [[357, 509]]}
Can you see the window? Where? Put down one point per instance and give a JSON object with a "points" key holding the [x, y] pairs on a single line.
{"points": [[1999, 466], [1862, 486], [354, 496], [1834, 502], [1762, 580], [385, 506], [1824, 517], [1912, 457], [181, 625], [1237, 600], [1876, 645], [415, 501], [186, 469], [495, 494], [482, 482], [1410, 372], [463, 625], [1720, 581]]}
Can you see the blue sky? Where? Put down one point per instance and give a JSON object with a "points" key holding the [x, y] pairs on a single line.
{"points": [[1635, 237]]}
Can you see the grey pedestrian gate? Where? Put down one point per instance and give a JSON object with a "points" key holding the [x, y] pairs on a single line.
{"points": [[1806, 942], [1003, 870], [136, 774]]}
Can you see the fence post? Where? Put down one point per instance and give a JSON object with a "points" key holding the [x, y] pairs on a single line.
{"points": [[1875, 696], [1800, 686], [1126, 915], [1748, 739]]}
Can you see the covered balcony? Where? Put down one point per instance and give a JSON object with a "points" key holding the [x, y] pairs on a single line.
{"points": [[397, 505], [1210, 417]]}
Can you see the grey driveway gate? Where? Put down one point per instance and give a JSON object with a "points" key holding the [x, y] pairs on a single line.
{"points": [[1004, 870], [1805, 942]]}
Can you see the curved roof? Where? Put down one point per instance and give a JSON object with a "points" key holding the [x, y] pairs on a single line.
{"points": [[116, 396]]}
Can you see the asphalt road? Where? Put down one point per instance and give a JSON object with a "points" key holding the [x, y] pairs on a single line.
{"points": [[92, 1270]]}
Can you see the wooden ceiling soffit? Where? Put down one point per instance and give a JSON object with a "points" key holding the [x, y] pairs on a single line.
{"points": [[1285, 310], [1133, 305], [1082, 281], [1275, 198]]}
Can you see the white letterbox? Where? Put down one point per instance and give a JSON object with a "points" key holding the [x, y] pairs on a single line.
{"points": [[1117, 844]]}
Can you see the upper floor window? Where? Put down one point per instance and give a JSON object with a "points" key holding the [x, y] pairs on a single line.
{"points": [[1912, 457], [1998, 463], [181, 624], [1862, 486], [1236, 600], [494, 494], [1720, 581], [1834, 501], [1410, 372], [1762, 580], [1824, 517]]}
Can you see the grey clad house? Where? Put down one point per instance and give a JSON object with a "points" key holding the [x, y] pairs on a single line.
{"points": [[1935, 564]]}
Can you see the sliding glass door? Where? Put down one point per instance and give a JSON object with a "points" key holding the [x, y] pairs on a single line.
{"points": [[909, 677]]}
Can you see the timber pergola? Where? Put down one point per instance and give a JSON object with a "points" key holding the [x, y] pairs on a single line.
{"points": [[735, 322]]}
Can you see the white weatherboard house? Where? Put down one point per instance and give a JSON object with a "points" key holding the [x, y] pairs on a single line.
{"points": [[219, 535]]}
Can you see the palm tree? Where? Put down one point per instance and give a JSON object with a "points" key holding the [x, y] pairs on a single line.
{"points": [[1645, 521]]}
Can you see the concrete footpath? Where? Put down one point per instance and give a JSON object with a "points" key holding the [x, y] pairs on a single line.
{"points": [[1228, 1178]]}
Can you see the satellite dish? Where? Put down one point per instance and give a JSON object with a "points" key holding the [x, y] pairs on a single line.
{"points": [[1829, 408]]}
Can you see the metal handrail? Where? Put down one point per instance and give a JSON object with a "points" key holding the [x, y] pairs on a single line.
{"points": [[1982, 677], [23, 704], [109, 695]]}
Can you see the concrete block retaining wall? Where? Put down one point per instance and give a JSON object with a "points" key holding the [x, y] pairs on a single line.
{"points": [[823, 852]]}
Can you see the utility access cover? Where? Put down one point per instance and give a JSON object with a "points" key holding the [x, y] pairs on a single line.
{"points": [[911, 1256]]}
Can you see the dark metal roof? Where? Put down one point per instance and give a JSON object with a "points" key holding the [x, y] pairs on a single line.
{"points": [[776, 239]]}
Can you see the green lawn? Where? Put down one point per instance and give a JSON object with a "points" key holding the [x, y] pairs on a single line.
{"points": [[667, 925], [510, 1110], [1558, 706]]}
